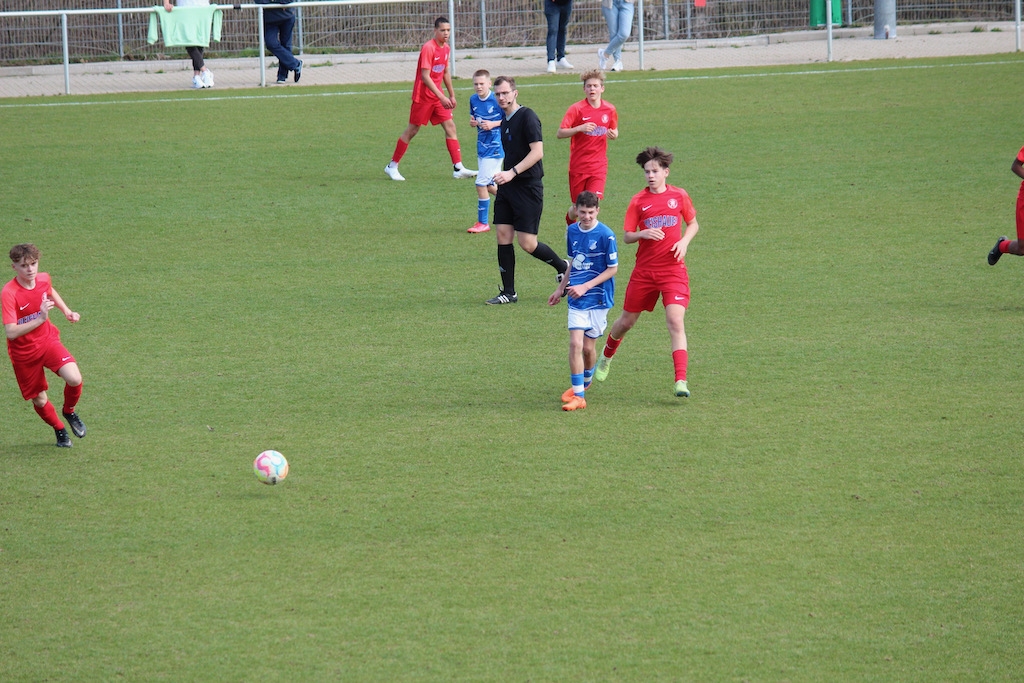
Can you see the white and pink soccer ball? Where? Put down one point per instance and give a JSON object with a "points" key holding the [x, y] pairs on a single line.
{"points": [[270, 467]]}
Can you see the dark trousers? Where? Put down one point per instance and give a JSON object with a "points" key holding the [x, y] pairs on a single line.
{"points": [[278, 37], [196, 53], [558, 22]]}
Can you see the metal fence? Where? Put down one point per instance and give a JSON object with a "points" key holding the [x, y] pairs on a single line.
{"points": [[399, 26]]}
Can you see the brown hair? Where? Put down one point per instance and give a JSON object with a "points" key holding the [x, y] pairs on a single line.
{"points": [[663, 158], [593, 73], [587, 199], [21, 251], [481, 72], [505, 79]]}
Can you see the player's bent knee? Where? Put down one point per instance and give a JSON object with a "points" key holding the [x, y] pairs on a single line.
{"points": [[71, 374]]}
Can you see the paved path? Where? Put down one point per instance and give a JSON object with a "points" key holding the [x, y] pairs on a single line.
{"points": [[805, 47]]}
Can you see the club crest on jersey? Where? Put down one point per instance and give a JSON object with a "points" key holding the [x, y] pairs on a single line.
{"points": [[673, 203], [604, 119]]}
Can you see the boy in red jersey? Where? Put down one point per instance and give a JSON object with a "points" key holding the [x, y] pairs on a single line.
{"points": [[655, 219], [33, 342], [1003, 244], [429, 104], [591, 123]]}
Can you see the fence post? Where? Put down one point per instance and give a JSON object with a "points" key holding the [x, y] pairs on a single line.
{"points": [[1016, 21], [483, 22], [640, 31], [120, 32], [64, 47], [263, 36], [451, 18], [828, 32], [298, 20]]}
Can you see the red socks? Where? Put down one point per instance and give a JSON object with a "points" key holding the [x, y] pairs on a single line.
{"points": [[49, 415], [71, 396], [453, 150], [1004, 246], [400, 148], [679, 359], [611, 345]]}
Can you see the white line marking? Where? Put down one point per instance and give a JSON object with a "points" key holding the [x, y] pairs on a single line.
{"points": [[404, 89]]}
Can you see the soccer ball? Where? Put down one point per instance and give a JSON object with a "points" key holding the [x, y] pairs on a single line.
{"points": [[270, 467]]}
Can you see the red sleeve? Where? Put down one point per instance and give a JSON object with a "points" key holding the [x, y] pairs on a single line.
{"points": [[689, 213], [1020, 155], [426, 57], [569, 120], [8, 307], [632, 219]]}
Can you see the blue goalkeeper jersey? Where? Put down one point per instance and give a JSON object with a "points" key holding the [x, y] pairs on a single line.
{"points": [[591, 252], [488, 142]]}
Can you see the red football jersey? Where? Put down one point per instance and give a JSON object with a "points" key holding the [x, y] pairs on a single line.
{"points": [[670, 210], [20, 305], [588, 152], [435, 58]]}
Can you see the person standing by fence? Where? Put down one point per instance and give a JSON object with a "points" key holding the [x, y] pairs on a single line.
{"points": [[557, 12], [618, 14], [278, 25], [202, 77]]}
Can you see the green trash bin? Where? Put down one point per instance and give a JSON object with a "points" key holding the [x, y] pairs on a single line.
{"points": [[818, 13]]}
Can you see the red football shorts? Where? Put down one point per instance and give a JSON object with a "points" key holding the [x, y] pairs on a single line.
{"points": [[431, 111], [644, 288], [585, 183], [30, 375], [1020, 213]]}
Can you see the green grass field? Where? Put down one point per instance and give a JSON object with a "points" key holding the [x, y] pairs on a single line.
{"points": [[841, 498]]}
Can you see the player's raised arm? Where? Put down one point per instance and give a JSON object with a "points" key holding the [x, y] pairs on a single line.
{"points": [[63, 307]]}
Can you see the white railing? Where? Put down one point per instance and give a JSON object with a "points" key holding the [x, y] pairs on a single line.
{"points": [[120, 12], [64, 14]]}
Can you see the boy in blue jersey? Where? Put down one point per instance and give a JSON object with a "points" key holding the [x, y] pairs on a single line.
{"points": [[590, 284], [485, 115]]}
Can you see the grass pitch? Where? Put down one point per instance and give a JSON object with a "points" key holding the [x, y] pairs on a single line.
{"points": [[839, 500]]}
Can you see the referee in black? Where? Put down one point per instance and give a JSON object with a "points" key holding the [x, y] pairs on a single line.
{"points": [[520, 199]]}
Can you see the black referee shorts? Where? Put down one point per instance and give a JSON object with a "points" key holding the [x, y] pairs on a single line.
{"points": [[519, 205]]}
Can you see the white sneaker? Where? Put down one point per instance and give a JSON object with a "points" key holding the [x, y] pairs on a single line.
{"points": [[197, 82], [551, 67], [617, 66], [206, 76], [463, 172], [564, 63], [392, 172], [602, 61]]}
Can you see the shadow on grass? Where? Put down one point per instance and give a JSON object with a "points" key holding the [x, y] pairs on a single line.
{"points": [[34, 450]]}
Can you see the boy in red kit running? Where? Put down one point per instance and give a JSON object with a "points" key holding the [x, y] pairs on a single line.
{"points": [[591, 123], [655, 219], [33, 342], [429, 104], [1003, 244]]}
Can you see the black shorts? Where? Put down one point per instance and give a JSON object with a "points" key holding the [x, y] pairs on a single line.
{"points": [[519, 205]]}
